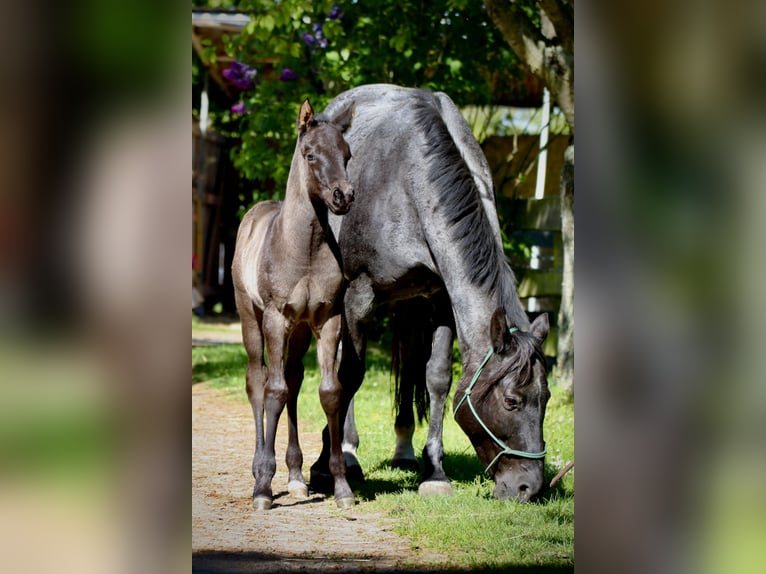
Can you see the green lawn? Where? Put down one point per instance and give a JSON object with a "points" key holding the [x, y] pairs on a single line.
{"points": [[472, 527]]}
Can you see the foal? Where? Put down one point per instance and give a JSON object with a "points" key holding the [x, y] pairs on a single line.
{"points": [[288, 283]]}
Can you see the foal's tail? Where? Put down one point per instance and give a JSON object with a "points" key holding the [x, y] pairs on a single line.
{"points": [[410, 349]]}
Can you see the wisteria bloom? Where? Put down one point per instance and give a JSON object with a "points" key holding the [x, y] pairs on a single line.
{"points": [[308, 39], [318, 30], [239, 108], [288, 75], [335, 13], [241, 75]]}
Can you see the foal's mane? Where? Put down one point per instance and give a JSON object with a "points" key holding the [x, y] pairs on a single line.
{"points": [[459, 200]]}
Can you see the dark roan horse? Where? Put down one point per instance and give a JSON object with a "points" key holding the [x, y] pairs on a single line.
{"points": [[424, 240], [288, 283]]}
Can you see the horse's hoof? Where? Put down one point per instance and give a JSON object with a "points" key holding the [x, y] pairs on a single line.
{"points": [[297, 489], [435, 488], [345, 502], [409, 464], [262, 503], [321, 482], [354, 473]]}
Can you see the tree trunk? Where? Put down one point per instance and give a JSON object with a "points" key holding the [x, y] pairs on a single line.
{"points": [[565, 363]]}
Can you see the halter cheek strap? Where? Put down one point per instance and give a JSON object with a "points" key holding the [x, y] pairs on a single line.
{"points": [[466, 398]]}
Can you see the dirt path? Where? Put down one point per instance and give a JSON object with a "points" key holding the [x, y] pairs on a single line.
{"points": [[308, 535]]}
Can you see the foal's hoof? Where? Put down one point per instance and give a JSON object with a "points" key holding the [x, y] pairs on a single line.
{"points": [[262, 503], [345, 502], [435, 488], [297, 489]]}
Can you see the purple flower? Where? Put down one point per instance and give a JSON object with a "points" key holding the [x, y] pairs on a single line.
{"points": [[288, 75], [317, 29], [308, 39], [335, 13], [241, 75], [239, 108]]}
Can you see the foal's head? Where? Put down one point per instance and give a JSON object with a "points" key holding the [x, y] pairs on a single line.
{"points": [[325, 154]]}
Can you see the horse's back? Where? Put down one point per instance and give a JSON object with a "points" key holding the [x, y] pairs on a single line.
{"points": [[396, 191], [249, 248]]}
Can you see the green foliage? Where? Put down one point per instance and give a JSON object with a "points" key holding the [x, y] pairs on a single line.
{"points": [[445, 45]]}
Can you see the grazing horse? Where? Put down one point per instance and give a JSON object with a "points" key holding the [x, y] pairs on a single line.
{"points": [[288, 283], [424, 240]]}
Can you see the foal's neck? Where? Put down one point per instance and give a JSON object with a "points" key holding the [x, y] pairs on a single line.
{"points": [[302, 221]]}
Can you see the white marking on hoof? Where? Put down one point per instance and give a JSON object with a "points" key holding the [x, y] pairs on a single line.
{"points": [[297, 489], [435, 488], [345, 502], [262, 503]]}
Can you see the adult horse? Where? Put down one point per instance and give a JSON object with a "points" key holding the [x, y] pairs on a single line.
{"points": [[424, 233], [289, 283]]}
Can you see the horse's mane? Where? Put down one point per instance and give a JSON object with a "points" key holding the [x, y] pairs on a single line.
{"points": [[485, 263], [520, 366]]}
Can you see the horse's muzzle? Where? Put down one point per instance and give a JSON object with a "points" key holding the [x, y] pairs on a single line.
{"points": [[342, 200]]}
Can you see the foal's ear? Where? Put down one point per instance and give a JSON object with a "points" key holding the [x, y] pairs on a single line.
{"points": [[499, 333], [344, 118], [539, 328], [305, 116]]}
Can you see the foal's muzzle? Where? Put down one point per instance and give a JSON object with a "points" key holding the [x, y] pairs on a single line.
{"points": [[342, 199]]}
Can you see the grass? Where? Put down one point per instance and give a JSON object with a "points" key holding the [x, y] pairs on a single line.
{"points": [[471, 527]]}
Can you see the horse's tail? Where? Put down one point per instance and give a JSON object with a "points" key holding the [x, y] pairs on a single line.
{"points": [[410, 349]]}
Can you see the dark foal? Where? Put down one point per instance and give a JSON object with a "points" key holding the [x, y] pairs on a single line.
{"points": [[289, 284]]}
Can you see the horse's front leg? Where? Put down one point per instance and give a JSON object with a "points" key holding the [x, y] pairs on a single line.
{"points": [[438, 381], [335, 407], [275, 329]]}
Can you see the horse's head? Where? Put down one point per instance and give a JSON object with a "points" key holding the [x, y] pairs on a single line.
{"points": [[325, 154], [503, 410]]}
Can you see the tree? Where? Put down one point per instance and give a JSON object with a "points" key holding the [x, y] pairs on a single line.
{"points": [[295, 49], [542, 35]]}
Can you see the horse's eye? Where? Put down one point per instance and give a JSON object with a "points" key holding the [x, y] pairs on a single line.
{"points": [[310, 157], [511, 403]]}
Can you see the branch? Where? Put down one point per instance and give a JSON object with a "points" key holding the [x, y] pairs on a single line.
{"points": [[519, 31], [561, 15]]}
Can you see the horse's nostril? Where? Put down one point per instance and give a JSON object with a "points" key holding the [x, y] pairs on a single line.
{"points": [[523, 488], [337, 195]]}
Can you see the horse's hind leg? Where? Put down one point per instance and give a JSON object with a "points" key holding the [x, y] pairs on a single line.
{"points": [[299, 344], [335, 406], [411, 327], [438, 381]]}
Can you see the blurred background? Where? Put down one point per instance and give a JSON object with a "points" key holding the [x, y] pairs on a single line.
{"points": [[94, 250]]}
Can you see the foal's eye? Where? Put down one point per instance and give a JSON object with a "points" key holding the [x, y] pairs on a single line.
{"points": [[310, 157]]}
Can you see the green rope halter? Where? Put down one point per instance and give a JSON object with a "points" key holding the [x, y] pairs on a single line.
{"points": [[504, 448]]}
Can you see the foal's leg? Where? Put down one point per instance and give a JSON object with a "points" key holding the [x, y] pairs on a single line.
{"points": [[357, 307], [438, 381], [299, 344], [330, 395], [252, 336], [275, 328]]}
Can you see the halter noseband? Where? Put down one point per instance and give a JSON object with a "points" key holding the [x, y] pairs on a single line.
{"points": [[504, 448]]}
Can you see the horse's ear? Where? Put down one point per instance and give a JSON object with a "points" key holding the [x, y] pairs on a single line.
{"points": [[499, 333], [539, 328], [344, 118], [305, 116]]}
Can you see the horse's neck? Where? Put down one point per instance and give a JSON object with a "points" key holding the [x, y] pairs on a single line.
{"points": [[473, 305]]}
